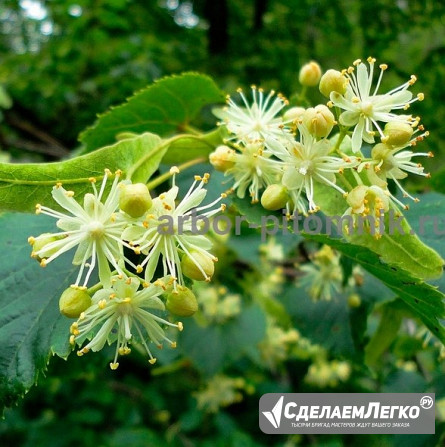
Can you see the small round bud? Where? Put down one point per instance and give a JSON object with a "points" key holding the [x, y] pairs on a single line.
{"points": [[74, 301], [274, 197], [182, 302], [293, 114], [135, 199], [397, 134], [198, 266], [354, 300], [380, 151], [223, 158], [319, 120], [332, 81], [310, 74], [41, 242]]}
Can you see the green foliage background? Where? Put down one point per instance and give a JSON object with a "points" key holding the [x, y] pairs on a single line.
{"points": [[62, 69]]}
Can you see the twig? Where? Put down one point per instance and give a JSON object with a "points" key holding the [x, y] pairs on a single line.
{"points": [[43, 136], [37, 147]]}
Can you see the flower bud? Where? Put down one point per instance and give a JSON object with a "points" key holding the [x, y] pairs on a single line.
{"points": [[354, 300], [74, 301], [380, 151], [135, 199], [332, 81], [274, 197], [223, 158], [293, 114], [397, 134], [310, 74], [40, 243], [190, 266], [319, 120], [182, 302]]}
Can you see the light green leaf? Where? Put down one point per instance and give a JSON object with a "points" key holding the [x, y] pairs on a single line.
{"points": [[191, 148], [31, 326], [168, 106], [24, 185], [5, 99], [404, 250]]}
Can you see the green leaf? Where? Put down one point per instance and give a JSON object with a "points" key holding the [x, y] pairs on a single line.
{"points": [[190, 148], [385, 334], [31, 326], [5, 99], [428, 219], [213, 346], [333, 330], [404, 250], [24, 185], [168, 106], [424, 300], [438, 181]]}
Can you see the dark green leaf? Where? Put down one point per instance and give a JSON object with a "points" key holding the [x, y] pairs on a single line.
{"points": [[213, 346], [385, 334], [31, 326], [323, 322]]}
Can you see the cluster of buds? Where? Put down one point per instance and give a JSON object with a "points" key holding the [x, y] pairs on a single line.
{"points": [[328, 373], [106, 227], [221, 391]]}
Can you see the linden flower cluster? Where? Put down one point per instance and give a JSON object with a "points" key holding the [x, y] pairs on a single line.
{"points": [[323, 278], [110, 228], [288, 157]]}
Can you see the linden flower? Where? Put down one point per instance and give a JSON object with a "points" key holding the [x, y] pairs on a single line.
{"points": [[395, 163], [123, 314], [364, 109], [258, 120], [253, 170], [93, 228], [324, 275], [171, 230], [305, 163]]}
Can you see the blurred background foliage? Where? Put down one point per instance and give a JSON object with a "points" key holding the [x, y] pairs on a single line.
{"points": [[64, 61]]}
